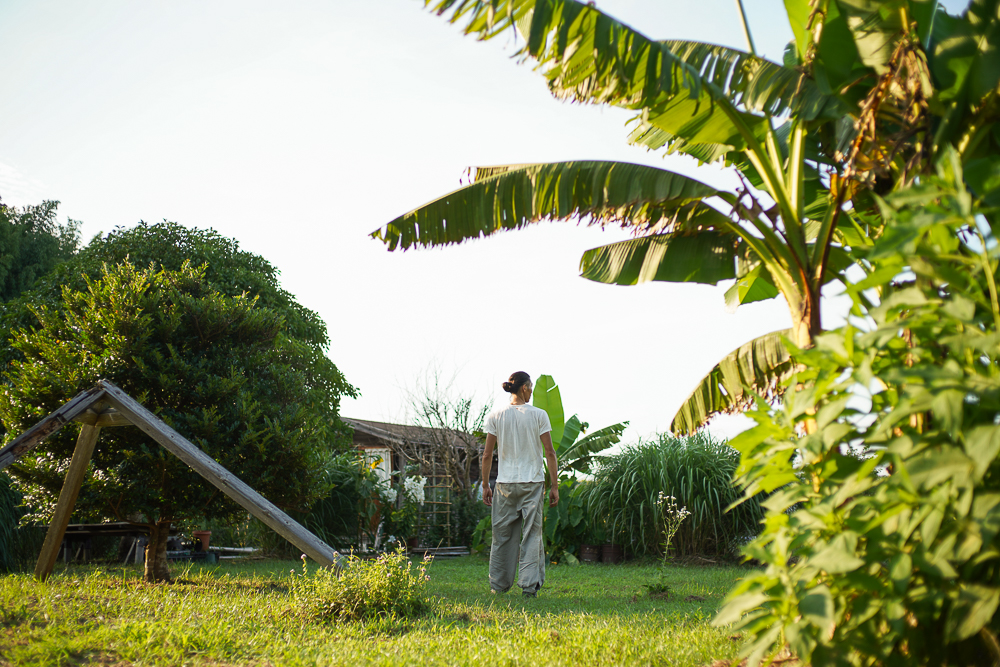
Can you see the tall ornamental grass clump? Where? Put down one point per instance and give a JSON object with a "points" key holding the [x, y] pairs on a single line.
{"points": [[386, 587], [696, 470]]}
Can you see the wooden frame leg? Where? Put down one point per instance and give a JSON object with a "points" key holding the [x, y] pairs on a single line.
{"points": [[67, 500]]}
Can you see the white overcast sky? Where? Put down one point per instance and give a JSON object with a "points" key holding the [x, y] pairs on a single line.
{"points": [[300, 127]]}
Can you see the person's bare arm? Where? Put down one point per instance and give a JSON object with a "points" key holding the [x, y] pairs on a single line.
{"points": [[487, 467], [550, 460]]}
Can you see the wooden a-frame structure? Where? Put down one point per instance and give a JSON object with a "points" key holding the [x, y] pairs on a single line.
{"points": [[106, 405]]}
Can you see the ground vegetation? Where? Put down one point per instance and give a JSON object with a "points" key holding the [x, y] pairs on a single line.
{"points": [[248, 614]]}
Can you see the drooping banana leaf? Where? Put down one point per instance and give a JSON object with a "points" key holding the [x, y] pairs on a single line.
{"points": [[760, 364], [754, 285], [511, 197], [546, 396], [753, 83], [580, 455], [701, 257], [589, 56], [574, 427]]}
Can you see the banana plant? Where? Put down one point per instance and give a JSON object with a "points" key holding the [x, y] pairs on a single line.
{"points": [[574, 453], [811, 140]]}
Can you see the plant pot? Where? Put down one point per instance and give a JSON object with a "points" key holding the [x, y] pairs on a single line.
{"points": [[612, 553], [203, 536], [590, 553], [412, 542]]}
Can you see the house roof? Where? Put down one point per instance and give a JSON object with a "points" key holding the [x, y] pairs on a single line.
{"points": [[400, 433]]}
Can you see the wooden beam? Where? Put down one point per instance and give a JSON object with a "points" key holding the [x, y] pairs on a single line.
{"points": [[37, 434], [107, 417], [228, 483], [67, 500]]}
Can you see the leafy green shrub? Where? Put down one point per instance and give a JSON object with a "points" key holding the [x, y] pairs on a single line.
{"points": [[566, 524], [19, 544], [9, 516], [341, 517], [389, 586], [466, 514], [696, 470], [900, 568]]}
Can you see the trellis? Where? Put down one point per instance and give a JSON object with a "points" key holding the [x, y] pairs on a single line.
{"points": [[106, 405]]}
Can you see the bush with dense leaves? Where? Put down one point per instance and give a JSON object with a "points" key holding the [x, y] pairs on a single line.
{"points": [[890, 557], [697, 471], [388, 586]]}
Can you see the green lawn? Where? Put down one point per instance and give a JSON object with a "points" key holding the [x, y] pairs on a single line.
{"points": [[242, 614]]}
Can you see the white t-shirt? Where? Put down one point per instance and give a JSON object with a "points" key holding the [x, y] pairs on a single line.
{"points": [[518, 429]]}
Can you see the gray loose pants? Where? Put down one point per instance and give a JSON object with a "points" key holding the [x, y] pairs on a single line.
{"points": [[517, 513]]}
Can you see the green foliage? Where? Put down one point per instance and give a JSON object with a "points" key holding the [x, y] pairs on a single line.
{"points": [[574, 450], [697, 471], [774, 124], [32, 243], [762, 364], [566, 525], [347, 512], [19, 544], [901, 567], [10, 499], [224, 371], [482, 535], [385, 587], [466, 515]]}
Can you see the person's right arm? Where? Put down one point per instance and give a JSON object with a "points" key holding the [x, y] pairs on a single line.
{"points": [[487, 467]]}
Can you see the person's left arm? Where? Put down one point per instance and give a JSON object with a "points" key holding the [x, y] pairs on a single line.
{"points": [[550, 460], [486, 465]]}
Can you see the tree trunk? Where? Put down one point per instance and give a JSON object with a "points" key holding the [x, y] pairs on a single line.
{"points": [[806, 326], [156, 553]]}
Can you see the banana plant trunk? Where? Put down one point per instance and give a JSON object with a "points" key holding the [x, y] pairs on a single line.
{"points": [[806, 324]]}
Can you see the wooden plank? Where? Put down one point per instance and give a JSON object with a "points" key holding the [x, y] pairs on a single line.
{"points": [[67, 500], [37, 434], [228, 483], [108, 417]]}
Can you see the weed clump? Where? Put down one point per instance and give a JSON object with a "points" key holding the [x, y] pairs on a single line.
{"points": [[389, 586]]}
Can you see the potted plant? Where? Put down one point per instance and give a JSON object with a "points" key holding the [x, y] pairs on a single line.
{"points": [[593, 538]]}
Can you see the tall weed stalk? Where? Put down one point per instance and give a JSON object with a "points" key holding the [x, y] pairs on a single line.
{"points": [[696, 470]]}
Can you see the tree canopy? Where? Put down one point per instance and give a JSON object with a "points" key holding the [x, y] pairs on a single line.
{"points": [[32, 242], [203, 335]]}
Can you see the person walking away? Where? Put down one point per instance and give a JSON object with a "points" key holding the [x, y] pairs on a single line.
{"points": [[520, 433]]}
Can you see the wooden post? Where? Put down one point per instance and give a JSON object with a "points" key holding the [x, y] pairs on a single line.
{"points": [[67, 499], [224, 480]]}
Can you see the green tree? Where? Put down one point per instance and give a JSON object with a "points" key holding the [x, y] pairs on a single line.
{"points": [[781, 232], [864, 100], [211, 344], [32, 242]]}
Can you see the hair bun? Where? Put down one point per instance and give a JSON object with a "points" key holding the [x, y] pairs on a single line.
{"points": [[508, 387]]}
